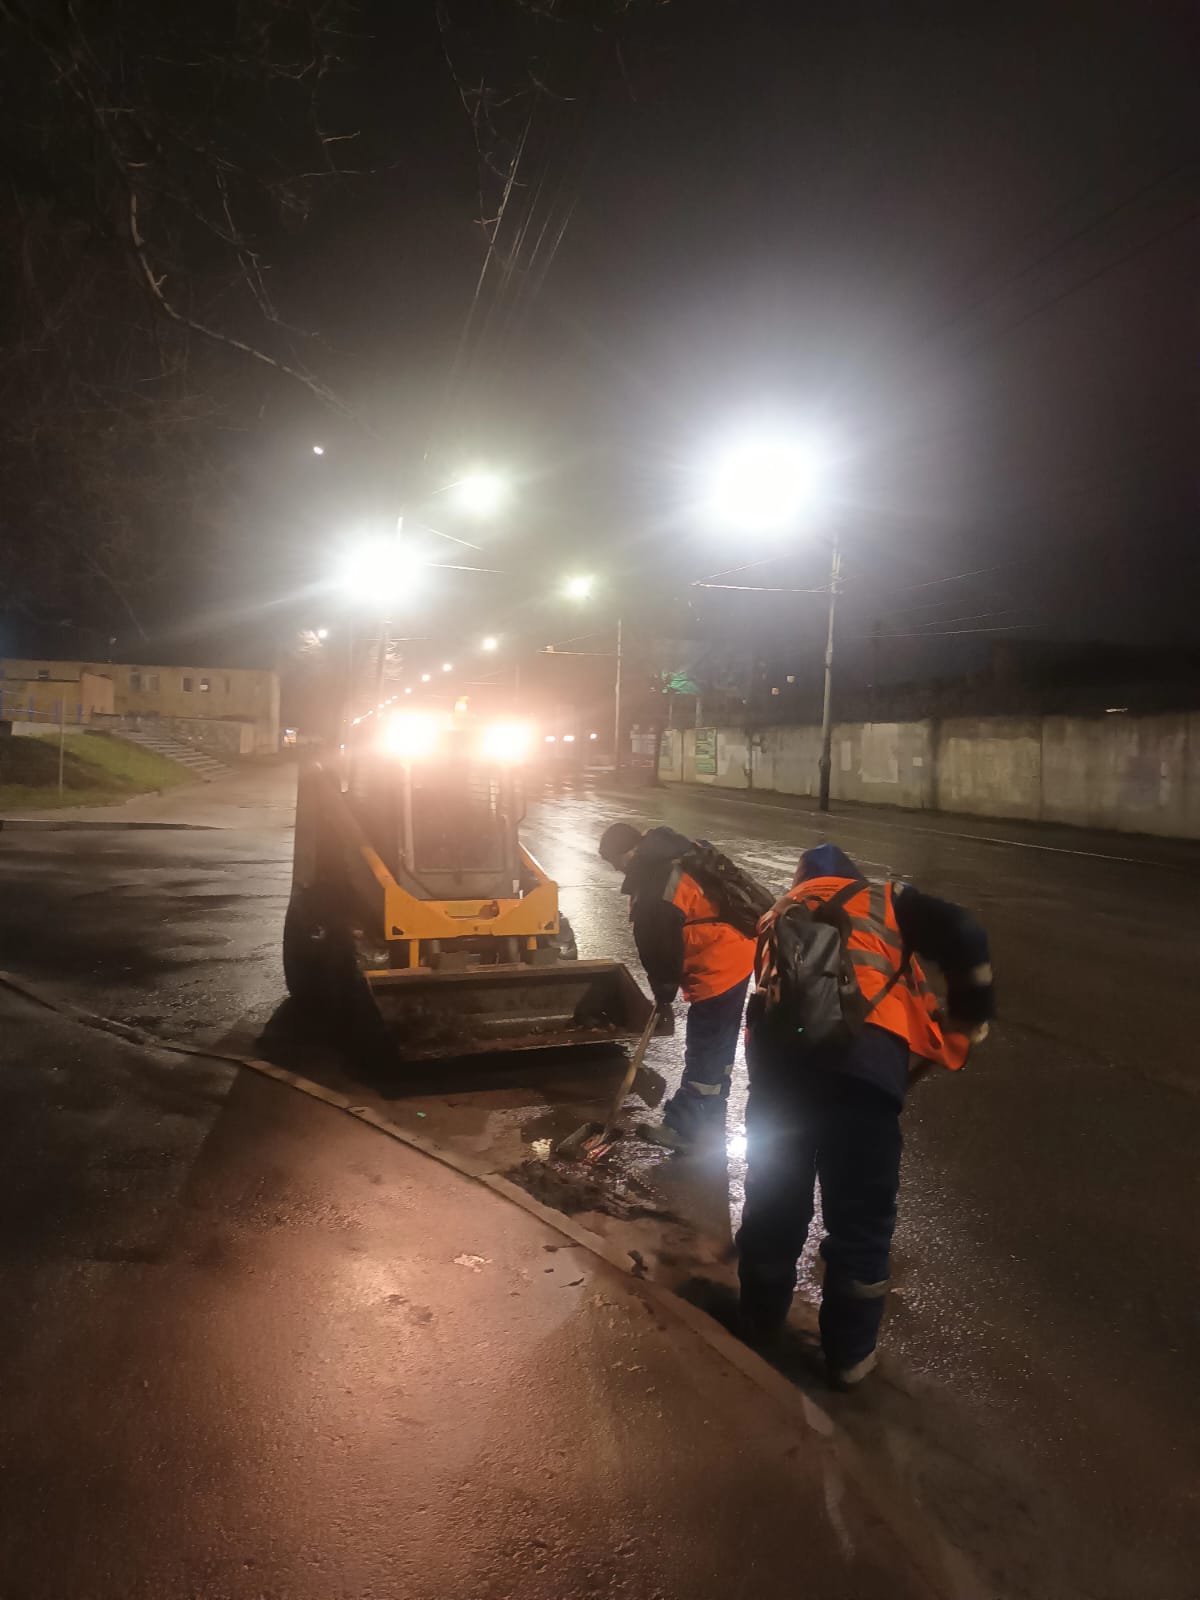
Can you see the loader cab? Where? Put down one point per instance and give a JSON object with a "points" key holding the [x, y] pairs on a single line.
{"points": [[445, 800], [458, 827]]}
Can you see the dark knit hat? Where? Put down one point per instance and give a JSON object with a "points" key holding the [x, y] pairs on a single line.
{"points": [[617, 840]]}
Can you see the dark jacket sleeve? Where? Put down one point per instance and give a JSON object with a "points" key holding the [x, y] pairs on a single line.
{"points": [[658, 934], [950, 937]]}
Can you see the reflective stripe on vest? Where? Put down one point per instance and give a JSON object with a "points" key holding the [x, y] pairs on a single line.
{"points": [[901, 1001], [715, 956]]}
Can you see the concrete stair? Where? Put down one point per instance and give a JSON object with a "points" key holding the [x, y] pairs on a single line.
{"points": [[205, 767]]}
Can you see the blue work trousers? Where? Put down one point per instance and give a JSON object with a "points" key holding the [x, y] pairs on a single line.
{"points": [[805, 1123], [710, 1043]]}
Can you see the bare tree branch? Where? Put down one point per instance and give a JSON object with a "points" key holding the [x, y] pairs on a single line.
{"points": [[154, 283]]}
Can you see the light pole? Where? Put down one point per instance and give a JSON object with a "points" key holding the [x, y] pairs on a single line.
{"points": [[617, 708], [826, 763], [579, 588]]}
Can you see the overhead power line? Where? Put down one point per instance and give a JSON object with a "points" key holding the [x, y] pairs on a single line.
{"points": [[1057, 249], [760, 588], [1145, 244], [957, 577], [975, 616], [1010, 627]]}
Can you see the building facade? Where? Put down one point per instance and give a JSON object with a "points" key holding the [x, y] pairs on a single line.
{"points": [[73, 701], [238, 697]]}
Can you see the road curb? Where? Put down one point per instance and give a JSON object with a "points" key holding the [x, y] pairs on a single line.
{"points": [[72, 825], [938, 1562]]}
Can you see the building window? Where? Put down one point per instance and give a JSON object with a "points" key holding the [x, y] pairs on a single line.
{"points": [[205, 685], [228, 685], [43, 674], [187, 686], [151, 683], [135, 683]]}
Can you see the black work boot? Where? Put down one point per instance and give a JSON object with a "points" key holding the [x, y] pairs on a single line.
{"points": [[690, 1120], [849, 1377]]}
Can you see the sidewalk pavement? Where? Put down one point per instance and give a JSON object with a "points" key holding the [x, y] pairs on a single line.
{"points": [[254, 1348], [256, 796]]}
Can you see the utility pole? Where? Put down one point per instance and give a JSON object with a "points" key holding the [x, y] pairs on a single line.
{"points": [[826, 765], [385, 633], [617, 707]]}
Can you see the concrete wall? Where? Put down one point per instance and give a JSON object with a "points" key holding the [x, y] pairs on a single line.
{"points": [[43, 730], [1130, 774], [223, 694], [733, 758], [1125, 772], [214, 737], [990, 769]]}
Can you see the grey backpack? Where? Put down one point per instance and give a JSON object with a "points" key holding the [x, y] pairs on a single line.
{"points": [[807, 990]]}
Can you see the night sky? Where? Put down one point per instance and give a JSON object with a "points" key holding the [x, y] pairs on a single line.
{"points": [[959, 241]]}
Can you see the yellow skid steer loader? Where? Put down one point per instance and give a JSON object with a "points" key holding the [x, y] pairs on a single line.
{"points": [[412, 894]]}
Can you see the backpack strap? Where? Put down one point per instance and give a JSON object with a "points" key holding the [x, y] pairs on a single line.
{"points": [[678, 870], [782, 906], [846, 892], [835, 903], [900, 972]]}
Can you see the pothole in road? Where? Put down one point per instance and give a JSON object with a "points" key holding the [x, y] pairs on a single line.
{"points": [[571, 1188]]}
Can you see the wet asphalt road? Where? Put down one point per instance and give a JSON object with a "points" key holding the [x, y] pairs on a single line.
{"points": [[252, 1350], [1040, 1396]]}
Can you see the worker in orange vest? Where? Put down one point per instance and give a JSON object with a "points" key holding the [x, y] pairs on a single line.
{"points": [[831, 1109], [684, 944]]}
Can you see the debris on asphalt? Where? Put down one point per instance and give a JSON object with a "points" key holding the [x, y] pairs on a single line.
{"points": [[571, 1190]]}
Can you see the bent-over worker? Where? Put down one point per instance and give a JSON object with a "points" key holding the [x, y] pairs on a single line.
{"points": [[683, 944], [831, 1110]]}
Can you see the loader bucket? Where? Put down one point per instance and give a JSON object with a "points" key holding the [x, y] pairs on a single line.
{"points": [[502, 1008]]}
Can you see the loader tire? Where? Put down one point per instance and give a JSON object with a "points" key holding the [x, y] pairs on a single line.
{"points": [[568, 950], [318, 958]]}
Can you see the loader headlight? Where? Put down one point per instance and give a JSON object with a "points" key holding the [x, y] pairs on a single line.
{"points": [[506, 741], [409, 736]]}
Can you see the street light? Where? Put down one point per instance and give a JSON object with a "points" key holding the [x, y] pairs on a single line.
{"points": [[764, 483], [447, 666], [480, 493], [579, 587], [318, 449], [490, 643], [322, 634], [377, 572]]}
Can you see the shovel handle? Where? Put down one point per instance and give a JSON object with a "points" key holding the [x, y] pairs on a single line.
{"points": [[635, 1062]]}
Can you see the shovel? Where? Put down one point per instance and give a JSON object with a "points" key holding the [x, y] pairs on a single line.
{"points": [[595, 1139]]}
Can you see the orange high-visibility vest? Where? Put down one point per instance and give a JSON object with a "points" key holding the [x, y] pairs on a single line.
{"points": [[909, 1008], [715, 956]]}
